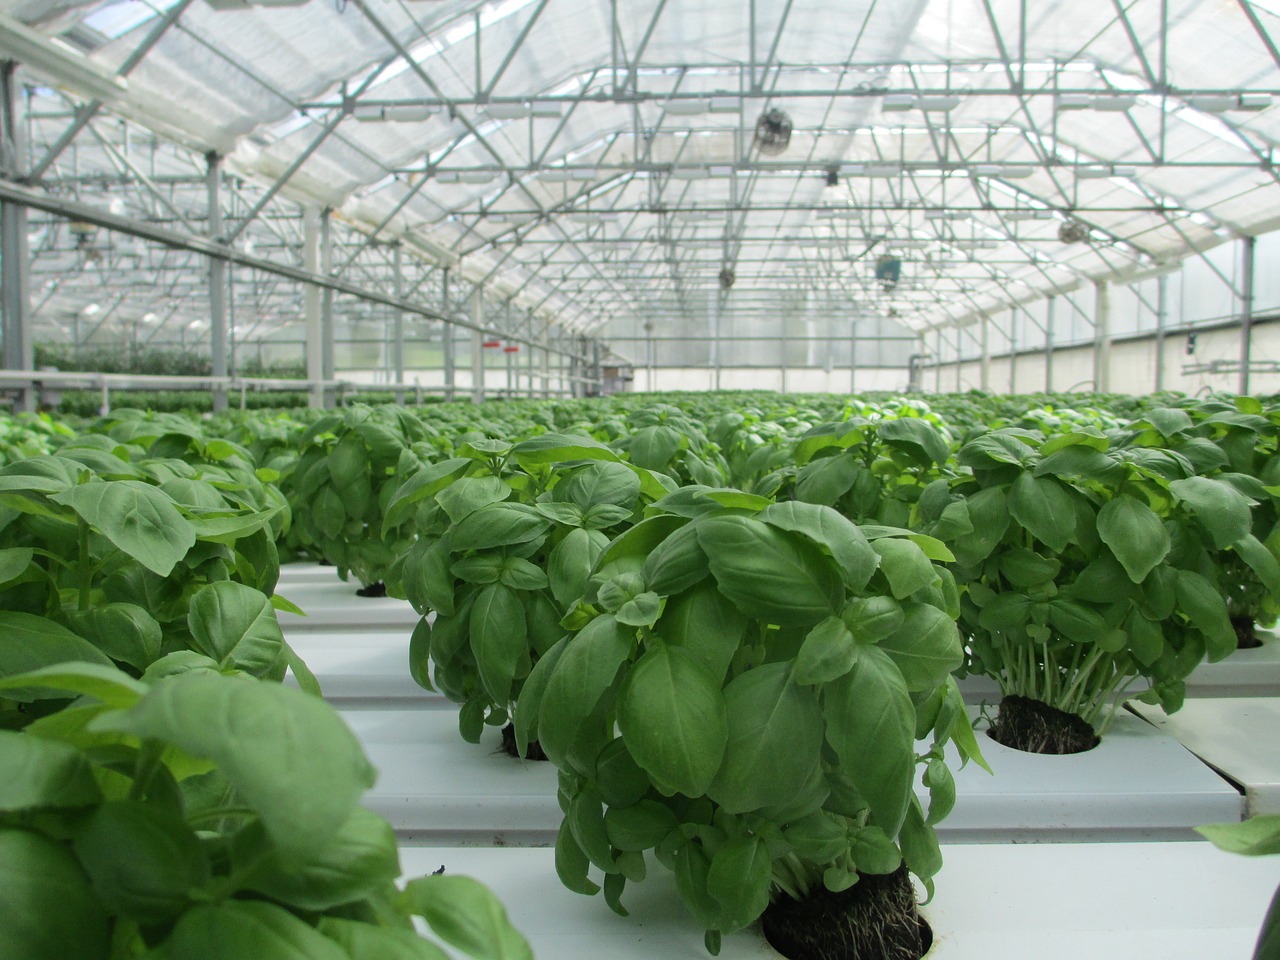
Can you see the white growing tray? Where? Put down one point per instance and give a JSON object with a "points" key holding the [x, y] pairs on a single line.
{"points": [[1239, 736], [1244, 673], [332, 604], [307, 571], [1172, 901], [432, 783], [1139, 784], [369, 667]]}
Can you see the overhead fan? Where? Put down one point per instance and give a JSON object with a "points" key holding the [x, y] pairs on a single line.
{"points": [[1073, 231], [727, 277], [773, 132], [888, 271]]}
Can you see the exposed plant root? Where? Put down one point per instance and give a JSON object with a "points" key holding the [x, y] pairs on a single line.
{"points": [[1035, 727], [875, 919]]}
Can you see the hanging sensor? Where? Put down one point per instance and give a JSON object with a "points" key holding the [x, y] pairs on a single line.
{"points": [[1191, 343]]}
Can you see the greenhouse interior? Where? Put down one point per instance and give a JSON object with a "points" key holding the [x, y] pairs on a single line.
{"points": [[665, 479]]}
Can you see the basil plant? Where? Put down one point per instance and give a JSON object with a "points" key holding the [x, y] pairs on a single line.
{"points": [[507, 537], [141, 821], [871, 471], [350, 466], [117, 562], [743, 697], [1234, 441], [1084, 567]]}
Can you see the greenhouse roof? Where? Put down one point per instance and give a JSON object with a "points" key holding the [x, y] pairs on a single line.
{"points": [[602, 159]]}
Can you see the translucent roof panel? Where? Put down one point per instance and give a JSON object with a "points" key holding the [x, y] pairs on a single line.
{"points": [[604, 157]]}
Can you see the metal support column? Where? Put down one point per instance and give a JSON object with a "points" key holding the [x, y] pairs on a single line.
{"points": [[529, 357], [1048, 344], [715, 340], [984, 342], [546, 361], [937, 360], [477, 346], [1162, 319], [1248, 250], [217, 282], [328, 364], [311, 303], [397, 321], [446, 338], [15, 275], [1102, 337], [853, 356], [597, 368], [1013, 350]]}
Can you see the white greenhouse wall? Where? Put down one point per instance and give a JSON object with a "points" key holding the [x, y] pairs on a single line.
{"points": [[790, 380], [1133, 366]]}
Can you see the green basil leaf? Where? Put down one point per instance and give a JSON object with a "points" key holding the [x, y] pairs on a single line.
{"points": [[572, 865], [653, 448], [828, 651], [770, 574], [104, 683], [1256, 837], [520, 574], [599, 483], [14, 562], [143, 860], [33, 642], [466, 495], [1261, 560], [569, 565], [904, 566], [870, 724], [47, 909], [37, 772], [1044, 506], [559, 447], [774, 740], [739, 878], [499, 639], [235, 929], [706, 624], [576, 690], [673, 717], [1222, 508], [1135, 535], [926, 648], [677, 563], [303, 780], [353, 862], [641, 826], [832, 532], [827, 479], [137, 518], [465, 914], [361, 939], [236, 625], [1204, 606], [499, 525]]}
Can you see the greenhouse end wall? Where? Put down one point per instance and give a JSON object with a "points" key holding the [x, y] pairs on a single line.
{"points": [[1195, 362]]}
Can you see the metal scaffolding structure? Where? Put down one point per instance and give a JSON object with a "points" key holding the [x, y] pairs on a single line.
{"points": [[572, 178]]}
